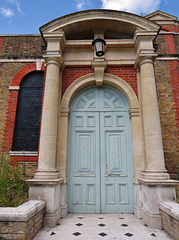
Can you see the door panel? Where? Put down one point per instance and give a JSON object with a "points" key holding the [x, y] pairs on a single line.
{"points": [[115, 157], [100, 172], [84, 192]]}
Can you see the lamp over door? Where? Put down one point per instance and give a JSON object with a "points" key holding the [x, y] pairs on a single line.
{"points": [[99, 44]]}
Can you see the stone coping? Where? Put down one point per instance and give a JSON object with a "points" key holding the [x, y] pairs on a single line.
{"points": [[21, 213], [171, 208]]}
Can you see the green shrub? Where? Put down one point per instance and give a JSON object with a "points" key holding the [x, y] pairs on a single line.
{"points": [[13, 188]]}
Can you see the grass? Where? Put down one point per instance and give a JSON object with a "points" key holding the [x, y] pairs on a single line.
{"points": [[13, 188]]}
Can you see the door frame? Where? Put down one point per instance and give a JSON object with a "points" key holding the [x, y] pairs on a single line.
{"points": [[135, 121], [100, 177]]}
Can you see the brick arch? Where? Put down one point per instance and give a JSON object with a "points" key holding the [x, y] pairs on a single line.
{"points": [[24, 71], [166, 29], [11, 111]]}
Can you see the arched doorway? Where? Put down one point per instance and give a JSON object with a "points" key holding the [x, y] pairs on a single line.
{"points": [[100, 169]]}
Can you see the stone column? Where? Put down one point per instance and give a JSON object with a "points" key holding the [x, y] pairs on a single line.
{"points": [[155, 168], [46, 184], [48, 139]]}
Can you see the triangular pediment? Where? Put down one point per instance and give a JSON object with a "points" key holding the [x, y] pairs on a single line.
{"points": [[160, 16]]}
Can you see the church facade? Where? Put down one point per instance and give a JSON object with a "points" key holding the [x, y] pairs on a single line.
{"points": [[98, 131]]}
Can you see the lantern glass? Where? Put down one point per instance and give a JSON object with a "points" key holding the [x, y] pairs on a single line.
{"points": [[99, 44]]}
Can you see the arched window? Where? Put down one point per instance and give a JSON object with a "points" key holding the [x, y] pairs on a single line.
{"points": [[27, 125]]}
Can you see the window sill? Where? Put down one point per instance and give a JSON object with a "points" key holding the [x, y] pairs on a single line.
{"points": [[23, 153]]}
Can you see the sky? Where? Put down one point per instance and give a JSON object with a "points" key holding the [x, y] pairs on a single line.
{"points": [[26, 16]]}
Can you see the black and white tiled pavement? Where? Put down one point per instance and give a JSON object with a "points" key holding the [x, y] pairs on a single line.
{"points": [[101, 226]]}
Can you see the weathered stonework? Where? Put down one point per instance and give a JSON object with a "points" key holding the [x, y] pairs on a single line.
{"points": [[23, 222], [170, 218]]}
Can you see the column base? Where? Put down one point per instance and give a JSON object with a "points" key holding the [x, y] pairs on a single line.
{"points": [[47, 174], [155, 175], [64, 211], [137, 211], [138, 202], [152, 220], [51, 219], [50, 192], [149, 194]]}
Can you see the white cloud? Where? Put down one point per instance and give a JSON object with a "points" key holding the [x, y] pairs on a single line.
{"points": [[79, 4], [7, 12], [82, 4], [134, 6], [17, 4]]}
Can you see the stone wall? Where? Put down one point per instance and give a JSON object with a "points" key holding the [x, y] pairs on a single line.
{"points": [[23, 222], [170, 218]]}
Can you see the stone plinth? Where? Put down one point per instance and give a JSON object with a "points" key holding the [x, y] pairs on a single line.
{"points": [[150, 194], [50, 192]]}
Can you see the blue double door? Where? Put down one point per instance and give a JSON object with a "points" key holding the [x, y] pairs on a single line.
{"points": [[100, 172]]}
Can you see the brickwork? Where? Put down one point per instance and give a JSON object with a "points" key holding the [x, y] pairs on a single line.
{"points": [[176, 39], [70, 74], [7, 73], [128, 74], [170, 44], [167, 81], [8, 111], [174, 74], [13, 47], [22, 230], [160, 40], [30, 167], [167, 117], [173, 28]]}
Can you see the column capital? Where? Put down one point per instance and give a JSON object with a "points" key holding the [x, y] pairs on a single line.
{"points": [[145, 57], [53, 59]]}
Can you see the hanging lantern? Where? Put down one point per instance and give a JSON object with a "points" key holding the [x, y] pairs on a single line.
{"points": [[99, 44]]}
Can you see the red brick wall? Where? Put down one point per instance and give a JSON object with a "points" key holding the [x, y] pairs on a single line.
{"points": [[11, 114], [171, 27], [70, 74], [7, 73], [170, 44], [10, 120], [128, 74]]}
